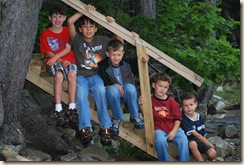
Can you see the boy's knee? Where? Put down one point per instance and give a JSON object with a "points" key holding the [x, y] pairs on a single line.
{"points": [[71, 76], [58, 76], [112, 89], [211, 154], [192, 145]]}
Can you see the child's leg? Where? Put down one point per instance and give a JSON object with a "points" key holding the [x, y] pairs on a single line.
{"points": [[58, 80], [113, 98], [82, 102], [72, 87], [195, 152], [181, 142], [130, 97], [161, 145], [98, 91]]}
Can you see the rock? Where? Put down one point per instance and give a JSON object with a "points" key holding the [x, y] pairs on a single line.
{"points": [[228, 132], [222, 147]]}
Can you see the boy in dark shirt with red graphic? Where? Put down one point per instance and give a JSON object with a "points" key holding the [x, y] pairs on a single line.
{"points": [[167, 118]]}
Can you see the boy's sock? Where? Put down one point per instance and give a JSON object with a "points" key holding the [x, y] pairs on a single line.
{"points": [[58, 107], [72, 106]]}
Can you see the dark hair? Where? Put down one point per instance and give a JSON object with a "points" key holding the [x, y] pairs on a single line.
{"points": [[161, 76], [57, 8], [84, 20], [114, 44], [187, 96]]}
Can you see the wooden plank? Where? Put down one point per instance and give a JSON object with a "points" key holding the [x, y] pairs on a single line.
{"points": [[126, 134], [152, 51], [33, 77], [146, 93]]}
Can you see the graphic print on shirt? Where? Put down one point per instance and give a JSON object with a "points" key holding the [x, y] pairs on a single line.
{"points": [[162, 111], [54, 44], [91, 58]]}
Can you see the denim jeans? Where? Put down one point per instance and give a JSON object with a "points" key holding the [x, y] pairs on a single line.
{"points": [[130, 98], [180, 140], [95, 85]]}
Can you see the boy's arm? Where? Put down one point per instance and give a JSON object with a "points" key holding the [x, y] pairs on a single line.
{"points": [[54, 58], [202, 138], [71, 24], [172, 133], [71, 21]]}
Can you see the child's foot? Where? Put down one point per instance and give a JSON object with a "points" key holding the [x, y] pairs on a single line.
{"points": [[115, 127], [138, 123], [105, 136], [85, 136], [59, 117], [72, 115]]}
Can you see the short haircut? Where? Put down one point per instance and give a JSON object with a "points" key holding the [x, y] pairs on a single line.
{"points": [[114, 45], [162, 77], [84, 20], [187, 96], [57, 8]]}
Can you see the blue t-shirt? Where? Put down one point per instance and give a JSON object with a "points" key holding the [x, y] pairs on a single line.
{"points": [[118, 76], [189, 125]]}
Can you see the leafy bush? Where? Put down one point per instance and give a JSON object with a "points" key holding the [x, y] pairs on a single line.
{"points": [[192, 32]]}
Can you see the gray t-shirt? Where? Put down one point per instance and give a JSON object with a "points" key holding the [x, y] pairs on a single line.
{"points": [[88, 55]]}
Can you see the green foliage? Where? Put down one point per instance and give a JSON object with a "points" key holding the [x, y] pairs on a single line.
{"points": [[126, 148], [192, 32]]}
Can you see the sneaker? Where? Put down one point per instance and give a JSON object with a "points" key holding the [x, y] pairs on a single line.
{"points": [[85, 135], [72, 115], [59, 117], [105, 136], [115, 127], [138, 123]]}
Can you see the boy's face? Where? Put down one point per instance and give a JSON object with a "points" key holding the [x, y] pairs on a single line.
{"points": [[115, 56], [88, 30], [189, 106], [161, 88], [57, 19]]}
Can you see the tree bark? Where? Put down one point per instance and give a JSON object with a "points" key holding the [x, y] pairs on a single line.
{"points": [[146, 8], [18, 28]]}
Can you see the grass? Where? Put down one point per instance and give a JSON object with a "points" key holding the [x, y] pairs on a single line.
{"points": [[231, 93], [126, 148]]}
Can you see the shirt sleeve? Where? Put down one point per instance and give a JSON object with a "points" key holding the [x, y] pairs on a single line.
{"points": [[44, 44]]}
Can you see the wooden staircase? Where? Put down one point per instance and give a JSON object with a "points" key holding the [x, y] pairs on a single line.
{"points": [[143, 139]]}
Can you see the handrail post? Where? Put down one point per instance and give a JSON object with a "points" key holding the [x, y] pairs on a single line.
{"points": [[146, 93]]}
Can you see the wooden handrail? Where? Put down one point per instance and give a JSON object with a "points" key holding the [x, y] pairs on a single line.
{"points": [[126, 35]]}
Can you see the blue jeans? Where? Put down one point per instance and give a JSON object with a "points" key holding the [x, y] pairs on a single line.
{"points": [[95, 85], [130, 98], [180, 140]]}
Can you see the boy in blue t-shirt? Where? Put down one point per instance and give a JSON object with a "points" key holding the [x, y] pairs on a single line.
{"points": [[193, 125]]}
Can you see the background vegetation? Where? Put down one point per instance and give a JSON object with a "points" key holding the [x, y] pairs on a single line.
{"points": [[192, 32]]}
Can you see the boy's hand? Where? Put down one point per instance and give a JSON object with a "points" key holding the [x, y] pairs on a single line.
{"points": [[121, 90], [135, 35], [141, 100], [65, 63], [171, 135], [90, 7], [110, 19], [52, 61]]}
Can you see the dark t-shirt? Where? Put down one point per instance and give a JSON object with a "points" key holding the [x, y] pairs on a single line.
{"points": [[88, 55], [189, 125]]}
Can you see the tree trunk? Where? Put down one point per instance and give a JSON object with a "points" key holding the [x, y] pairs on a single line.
{"points": [[146, 8], [21, 121]]}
